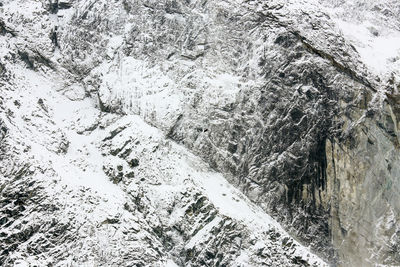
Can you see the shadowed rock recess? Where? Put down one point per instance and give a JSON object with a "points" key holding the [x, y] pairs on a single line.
{"points": [[103, 103]]}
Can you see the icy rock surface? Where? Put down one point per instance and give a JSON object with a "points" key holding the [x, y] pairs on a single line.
{"points": [[295, 102], [81, 187]]}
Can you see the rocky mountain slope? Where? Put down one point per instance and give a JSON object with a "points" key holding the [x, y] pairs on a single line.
{"points": [[86, 188], [157, 133]]}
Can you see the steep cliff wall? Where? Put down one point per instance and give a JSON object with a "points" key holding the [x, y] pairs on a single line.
{"points": [[261, 91], [364, 177], [272, 94]]}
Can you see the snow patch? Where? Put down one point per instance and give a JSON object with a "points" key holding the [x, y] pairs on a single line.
{"points": [[379, 50]]}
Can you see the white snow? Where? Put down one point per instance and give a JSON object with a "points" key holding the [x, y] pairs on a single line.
{"points": [[170, 263], [128, 85], [380, 53]]}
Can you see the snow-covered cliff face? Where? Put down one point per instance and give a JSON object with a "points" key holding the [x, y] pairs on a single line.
{"points": [[81, 187], [294, 102]]}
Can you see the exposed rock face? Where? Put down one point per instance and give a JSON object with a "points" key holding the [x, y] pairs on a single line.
{"points": [[364, 181], [271, 94]]}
